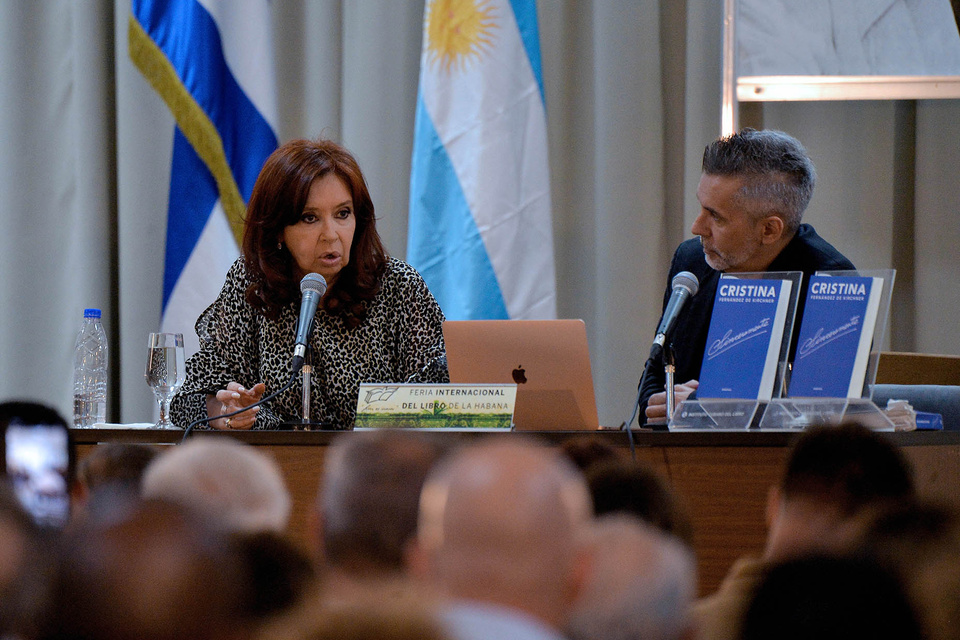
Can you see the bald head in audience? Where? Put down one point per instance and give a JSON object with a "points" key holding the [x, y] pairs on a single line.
{"points": [[641, 584], [228, 482], [504, 524]]}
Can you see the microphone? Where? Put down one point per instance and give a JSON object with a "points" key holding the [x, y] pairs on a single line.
{"points": [[685, 286], [313, 286]]}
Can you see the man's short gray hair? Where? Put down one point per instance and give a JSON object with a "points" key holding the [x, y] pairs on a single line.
{"points": [[778, 175], [369, 497], [642, 584]]}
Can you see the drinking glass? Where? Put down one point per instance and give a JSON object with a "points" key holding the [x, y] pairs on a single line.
{"points": [[166, 370]]}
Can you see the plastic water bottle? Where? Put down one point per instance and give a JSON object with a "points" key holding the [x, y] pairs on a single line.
{"points": [[90, 372]]}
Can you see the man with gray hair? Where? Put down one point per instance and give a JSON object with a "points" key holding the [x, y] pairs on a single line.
{"points": [[753, 191], [367, 504], [502, 538], [641, 586]]}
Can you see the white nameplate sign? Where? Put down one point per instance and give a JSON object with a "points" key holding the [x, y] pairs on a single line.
{"points": [[454, 407]]}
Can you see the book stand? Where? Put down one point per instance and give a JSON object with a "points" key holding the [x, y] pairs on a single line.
{"points": [[786, 413], [779, 414], [715, 415]]}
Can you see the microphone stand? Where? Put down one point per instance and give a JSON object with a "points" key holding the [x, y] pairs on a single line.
{"points": [[307, 372], [670, 370], [306, 423]]}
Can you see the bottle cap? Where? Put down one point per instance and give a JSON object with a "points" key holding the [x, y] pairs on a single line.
{"points": [[91, 313]]}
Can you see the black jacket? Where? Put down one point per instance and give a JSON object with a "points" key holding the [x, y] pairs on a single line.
{"points": [[806, 252]]}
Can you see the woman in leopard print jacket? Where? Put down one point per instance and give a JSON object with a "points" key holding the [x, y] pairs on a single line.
{"points": [[310, 212]]}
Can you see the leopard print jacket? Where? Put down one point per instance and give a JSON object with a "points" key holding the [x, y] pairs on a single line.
{"points": [[399, 341]]}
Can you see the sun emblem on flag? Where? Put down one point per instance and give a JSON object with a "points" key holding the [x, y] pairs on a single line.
{"points": [[458, 31]]}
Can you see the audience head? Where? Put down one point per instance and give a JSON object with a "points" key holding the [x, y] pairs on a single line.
{"points": [[920, 542], [833, 473], [634, 488], [642, 583], [829, 597], [109, 476], [504, 523], [115, 464], [156, 574], [777, 175], [24, 568], [226, 481], [586, 452], [280, 574], [371, 616], [369, 499]]}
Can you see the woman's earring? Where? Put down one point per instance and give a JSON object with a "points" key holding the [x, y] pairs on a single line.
{"points": [[279, 246]]}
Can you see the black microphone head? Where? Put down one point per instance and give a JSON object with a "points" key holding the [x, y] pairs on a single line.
{"points": [[315, 282], [686, 280]]}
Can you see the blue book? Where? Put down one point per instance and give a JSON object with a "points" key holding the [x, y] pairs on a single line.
{"points": [[743, 344], [836, 334]]}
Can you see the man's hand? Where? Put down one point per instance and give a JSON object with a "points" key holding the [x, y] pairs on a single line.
{"points": [[657, 404]]}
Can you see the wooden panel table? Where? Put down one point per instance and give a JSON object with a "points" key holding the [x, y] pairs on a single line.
{"points": [[722, 477]]}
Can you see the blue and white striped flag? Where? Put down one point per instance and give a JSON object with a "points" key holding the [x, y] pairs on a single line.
{"points": [[212, 63], [480, 228]]}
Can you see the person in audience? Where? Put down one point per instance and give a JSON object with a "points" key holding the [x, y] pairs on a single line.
{"points": [[368, 616], [920, 542], [241, 491], [829, 598], [157, 573], [623, 486], [310, 212], [367, 505], [281, 574], [502, 538], [833, 476], [25, 568], [585, 451], [641, 584], [109, 477], [753, 191], [227, 481]]}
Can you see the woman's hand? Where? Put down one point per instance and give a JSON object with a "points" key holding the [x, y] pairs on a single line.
{"points": [[234, 398]]}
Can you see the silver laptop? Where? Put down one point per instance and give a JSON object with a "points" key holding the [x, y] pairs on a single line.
{"points": [[548, 359]]}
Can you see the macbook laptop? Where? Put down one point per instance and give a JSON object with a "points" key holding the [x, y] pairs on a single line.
{"points": [[548, 360]]}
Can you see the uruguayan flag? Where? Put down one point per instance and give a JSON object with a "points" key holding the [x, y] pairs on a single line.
{"points": [[480, 225], [211, 62]]}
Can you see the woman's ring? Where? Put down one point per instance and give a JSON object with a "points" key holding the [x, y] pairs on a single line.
{"points": [[226, 423]]}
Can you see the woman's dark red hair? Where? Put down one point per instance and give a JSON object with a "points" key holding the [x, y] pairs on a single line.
{"points": [[278, 199]]}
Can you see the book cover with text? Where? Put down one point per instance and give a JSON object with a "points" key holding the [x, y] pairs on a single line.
{"points": [[836, 334], [743, 344]]}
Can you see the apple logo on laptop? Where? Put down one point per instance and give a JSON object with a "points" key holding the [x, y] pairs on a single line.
{"points": [[520, 375]]}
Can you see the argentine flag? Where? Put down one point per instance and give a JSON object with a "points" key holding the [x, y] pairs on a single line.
{"points": [[480, 227], [212, 63]]}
